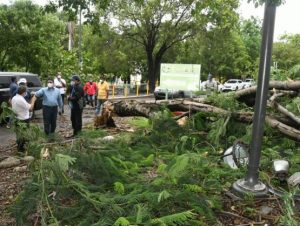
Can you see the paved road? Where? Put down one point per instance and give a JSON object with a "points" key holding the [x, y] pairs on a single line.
{"points": [[6, 137]]}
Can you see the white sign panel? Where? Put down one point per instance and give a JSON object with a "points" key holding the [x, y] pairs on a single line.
{"points": [[180, 76]]}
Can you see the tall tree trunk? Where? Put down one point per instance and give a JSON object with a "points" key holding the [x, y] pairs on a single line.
{"points": [[151, 68], [154, 61]]}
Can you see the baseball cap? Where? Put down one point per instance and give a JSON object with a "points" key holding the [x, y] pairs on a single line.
{"points": [[75, 78], [22, 80]]}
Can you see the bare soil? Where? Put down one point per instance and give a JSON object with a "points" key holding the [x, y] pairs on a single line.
{"points": [[12, 181]]}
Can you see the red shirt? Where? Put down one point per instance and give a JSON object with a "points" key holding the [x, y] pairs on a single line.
{"points": [[90, 89]]}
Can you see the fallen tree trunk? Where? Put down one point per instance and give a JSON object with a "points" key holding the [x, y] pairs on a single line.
{"points": [[293, 86], [282, 109], [148, 108], [285, 129], [134, 108]]}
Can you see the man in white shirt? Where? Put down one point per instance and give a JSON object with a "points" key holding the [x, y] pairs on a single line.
{"points": [[60, 83], [21, 109]]}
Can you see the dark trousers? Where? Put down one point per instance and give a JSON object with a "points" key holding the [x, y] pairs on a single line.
{"points": [[63, 102], [50, 116], [21, 127], [76, 118]]}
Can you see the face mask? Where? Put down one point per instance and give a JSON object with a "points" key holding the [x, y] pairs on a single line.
{"points": [[59, 76], [72, 83], [50, 85], [101, 80]]}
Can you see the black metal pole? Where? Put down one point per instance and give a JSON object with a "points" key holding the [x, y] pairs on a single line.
{"points": [[251, 183], [261, 93]]}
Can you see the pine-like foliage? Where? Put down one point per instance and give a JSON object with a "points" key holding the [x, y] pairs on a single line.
{"points": [[174, 219], [161, 175]]}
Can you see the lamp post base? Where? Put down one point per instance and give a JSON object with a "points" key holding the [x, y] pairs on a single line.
{"points": [[241, 188]]}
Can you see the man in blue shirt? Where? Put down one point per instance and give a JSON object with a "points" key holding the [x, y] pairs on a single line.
{"points": [[13, 87], [51, 102]]}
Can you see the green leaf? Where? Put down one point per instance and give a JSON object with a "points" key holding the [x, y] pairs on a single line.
{"points": [[175, 219], [122, 221], [119, 188], [64, 161], [163, 196], [179, 166]]}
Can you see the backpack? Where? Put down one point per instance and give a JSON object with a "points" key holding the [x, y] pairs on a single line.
{"points": [[81, 102]]}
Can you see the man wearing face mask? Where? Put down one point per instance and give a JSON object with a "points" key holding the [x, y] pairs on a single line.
{"points": [[21, 108], [90, 89], [60, 83], [51, 102], [102, 93], [76, 99]]}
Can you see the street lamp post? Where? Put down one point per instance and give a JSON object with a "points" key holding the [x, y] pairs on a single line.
{"points": [[251, 184]]}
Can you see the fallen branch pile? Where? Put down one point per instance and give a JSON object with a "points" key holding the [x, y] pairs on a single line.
{"points": [[278, 117]]}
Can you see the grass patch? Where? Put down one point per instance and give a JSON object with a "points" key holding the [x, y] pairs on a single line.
{"points": [[139, 122]]}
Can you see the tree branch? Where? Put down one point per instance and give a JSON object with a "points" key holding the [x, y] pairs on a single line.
{"points": [[282, 109]]}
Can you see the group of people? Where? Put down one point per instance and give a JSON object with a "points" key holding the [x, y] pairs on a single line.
{"points": [[96, 93], [53, 95]]}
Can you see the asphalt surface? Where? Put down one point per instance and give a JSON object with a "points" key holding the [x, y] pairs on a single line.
{"points": [[7, 136]]}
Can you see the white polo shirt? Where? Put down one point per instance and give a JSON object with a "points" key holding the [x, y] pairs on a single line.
{"points": [[60, 85], [20, 107]]}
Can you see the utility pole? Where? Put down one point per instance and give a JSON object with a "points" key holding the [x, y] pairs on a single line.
{"points": [[251, 184], [71, 35], [80, 40]]}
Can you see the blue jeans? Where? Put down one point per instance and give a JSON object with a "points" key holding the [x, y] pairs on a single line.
{"points": [[91, 99], [99, 104]]}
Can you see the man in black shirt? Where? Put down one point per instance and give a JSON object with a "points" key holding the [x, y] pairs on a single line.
{"points": [[76, 99]]}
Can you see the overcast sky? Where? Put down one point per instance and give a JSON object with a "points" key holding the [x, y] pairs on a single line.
{"points": [[287, 15]]}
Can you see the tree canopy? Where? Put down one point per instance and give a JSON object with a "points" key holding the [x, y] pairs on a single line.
{"points": [[123, 36]]}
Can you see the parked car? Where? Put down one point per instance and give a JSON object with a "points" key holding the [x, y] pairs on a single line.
{"points": [[160, 94], [220, 86], [233, 85], [248, 83], [203, 86], [33, 84]]}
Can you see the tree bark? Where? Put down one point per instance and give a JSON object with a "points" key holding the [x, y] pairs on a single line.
{"points": [[151, 71], [149, 108], [279, 85], [284, 129], [282, 109]]}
